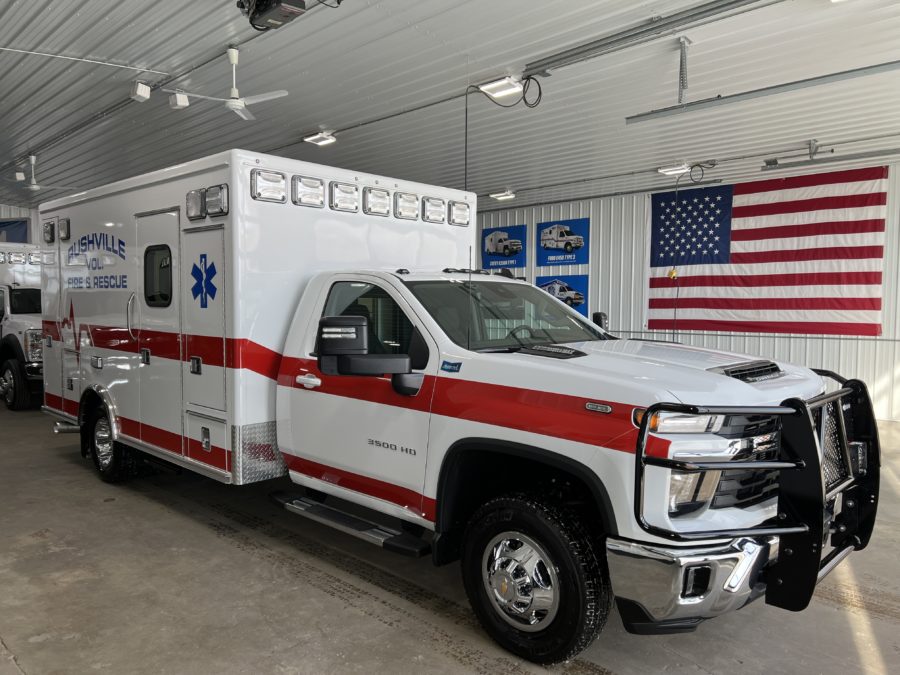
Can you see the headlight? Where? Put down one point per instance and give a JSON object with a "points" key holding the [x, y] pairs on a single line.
{"points": [[675, 423], [690, 492], [34, 348]]}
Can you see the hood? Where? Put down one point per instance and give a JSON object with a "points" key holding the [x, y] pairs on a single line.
{"points": [[654, 371], [26, 321]]}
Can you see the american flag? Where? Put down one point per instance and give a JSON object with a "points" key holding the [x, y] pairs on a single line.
{"points": [[790, 255]]}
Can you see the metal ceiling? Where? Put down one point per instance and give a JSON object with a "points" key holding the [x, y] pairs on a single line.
{"points": [[375, 59]]}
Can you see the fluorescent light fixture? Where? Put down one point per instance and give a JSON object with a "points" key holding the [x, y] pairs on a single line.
{"points": [[140, 91], [178, 100], [502, 88], [715, 101], [20, 175], [504, 196], [774, 165], [675, 169], [321, 138]]}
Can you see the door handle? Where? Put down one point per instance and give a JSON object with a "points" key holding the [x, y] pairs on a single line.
{"points": [[128, 315], [309, 381], [145, 356]]}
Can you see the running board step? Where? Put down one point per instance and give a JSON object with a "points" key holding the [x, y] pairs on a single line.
{"points": [[389, 539]]}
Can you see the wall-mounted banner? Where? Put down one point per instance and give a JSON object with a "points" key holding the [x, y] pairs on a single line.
{"points": [[563, 242], [572, 289], [503, 247]]}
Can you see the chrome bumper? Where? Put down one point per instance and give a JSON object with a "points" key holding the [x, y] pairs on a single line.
{"points": [[661, 589]]}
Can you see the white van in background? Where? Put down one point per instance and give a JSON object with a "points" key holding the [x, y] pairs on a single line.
{"points": [[21, 367]]}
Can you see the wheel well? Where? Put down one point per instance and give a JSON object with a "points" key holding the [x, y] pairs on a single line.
{"points": [[8, 349], [473, 471]]}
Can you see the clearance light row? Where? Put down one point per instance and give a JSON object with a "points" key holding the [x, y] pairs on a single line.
{"points": [[271, 186], [20, 258]]}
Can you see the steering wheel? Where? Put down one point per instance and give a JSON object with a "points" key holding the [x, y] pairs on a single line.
{"points": [[512, 333]]}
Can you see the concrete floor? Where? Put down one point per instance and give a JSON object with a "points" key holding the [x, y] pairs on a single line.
{"points": [[179, 574]]}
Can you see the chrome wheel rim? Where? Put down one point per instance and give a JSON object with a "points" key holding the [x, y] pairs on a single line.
{"points": [[521, 581], [8, 385], [103, 443]]}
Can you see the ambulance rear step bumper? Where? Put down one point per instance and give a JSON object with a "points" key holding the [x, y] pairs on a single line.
{"points": [[388, 538]]}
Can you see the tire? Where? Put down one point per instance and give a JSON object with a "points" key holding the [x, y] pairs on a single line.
{"points": [[569, 580], [16, 391], [113, 461], [506, 251], [568, 247], [570, 302]]}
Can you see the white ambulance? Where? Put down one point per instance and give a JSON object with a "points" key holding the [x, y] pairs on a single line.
{"points": [[559, 236], [21, 366], [499, 243], [248, 316]]}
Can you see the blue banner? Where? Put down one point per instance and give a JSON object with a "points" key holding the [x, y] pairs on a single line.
{"points": [[503, 247], [563, 242], [571, 289], [14, 231]]}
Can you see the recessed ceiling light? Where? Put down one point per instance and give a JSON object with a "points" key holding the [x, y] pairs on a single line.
{"points": [[503, 196], [675, 169], [321, 138], [502, 88]]}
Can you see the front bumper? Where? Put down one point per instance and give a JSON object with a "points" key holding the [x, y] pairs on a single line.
{"points": [[823, 516], [662, 589]]}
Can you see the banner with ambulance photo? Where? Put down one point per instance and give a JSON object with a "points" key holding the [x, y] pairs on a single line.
{"points": [[563, 242], [503, 247]]}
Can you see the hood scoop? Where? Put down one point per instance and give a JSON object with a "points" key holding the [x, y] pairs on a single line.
{"points": [[751, 371], [553, 351]]}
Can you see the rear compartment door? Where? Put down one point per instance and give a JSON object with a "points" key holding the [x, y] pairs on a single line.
{"points": [[159, 330]]}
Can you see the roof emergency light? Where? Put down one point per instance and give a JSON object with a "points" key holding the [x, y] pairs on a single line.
{"points": [[195, 204], [267, 186], [458, 213], [433, 210], [307, 191], [376, 201], [16, 258], [217, 200], [34, 258], [406, 206], [344, 197]]}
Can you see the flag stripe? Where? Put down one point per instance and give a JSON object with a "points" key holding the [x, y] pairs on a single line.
{"points": [[809, 230], [767, 303], [831, 178], [759, 280], [798, 267], [819, 203], [863, 187], [725, 292], [807, 217], [804, 327], [805, 243], [837, 252]]}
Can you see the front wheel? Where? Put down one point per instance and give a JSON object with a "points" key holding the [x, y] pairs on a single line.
{"points": [[534, 579], [568, 247], [14, 385]]}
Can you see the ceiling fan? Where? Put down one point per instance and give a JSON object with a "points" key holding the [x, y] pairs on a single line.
{"points": [[31, 183], [235, 101]]}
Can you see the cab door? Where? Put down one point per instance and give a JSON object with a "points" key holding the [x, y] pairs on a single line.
{"points": [[358, 433], [159, 330]]}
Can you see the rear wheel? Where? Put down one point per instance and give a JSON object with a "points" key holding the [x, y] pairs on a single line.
{"points": [[113, 461], [534, 579], [14, 385]]}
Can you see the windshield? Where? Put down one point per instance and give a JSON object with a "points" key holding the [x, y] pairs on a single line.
{"points": [[25, 301], [491, 316], [569, 233]]}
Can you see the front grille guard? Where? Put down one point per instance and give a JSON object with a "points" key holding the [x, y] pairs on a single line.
{"points": [[803, 498]]}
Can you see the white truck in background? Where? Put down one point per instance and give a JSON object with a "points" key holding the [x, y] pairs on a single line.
{"points": [[562, 291], [499, 243], [251, 317], [559, 236], [21, 367]]}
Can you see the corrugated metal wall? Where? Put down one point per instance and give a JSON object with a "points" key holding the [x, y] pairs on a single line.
{"points": [[618, 285]]}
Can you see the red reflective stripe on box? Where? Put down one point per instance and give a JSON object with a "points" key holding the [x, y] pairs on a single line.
{"points": [[250, 355]]}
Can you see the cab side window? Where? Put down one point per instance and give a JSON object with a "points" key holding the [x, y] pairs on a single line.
{"points": [[158, 276], [390, 331]]}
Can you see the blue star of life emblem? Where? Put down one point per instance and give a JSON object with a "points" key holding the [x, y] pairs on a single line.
{"points": [[203, 286]]}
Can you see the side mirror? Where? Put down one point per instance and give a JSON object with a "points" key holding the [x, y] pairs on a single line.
{"points": [[601, 320], [342, 346]]}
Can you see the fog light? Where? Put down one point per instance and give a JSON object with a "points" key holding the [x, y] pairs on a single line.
{"points": [[691, 491]]}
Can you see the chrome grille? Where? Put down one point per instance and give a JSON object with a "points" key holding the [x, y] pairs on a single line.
{"points": [[754, 371], [760, 440]]}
